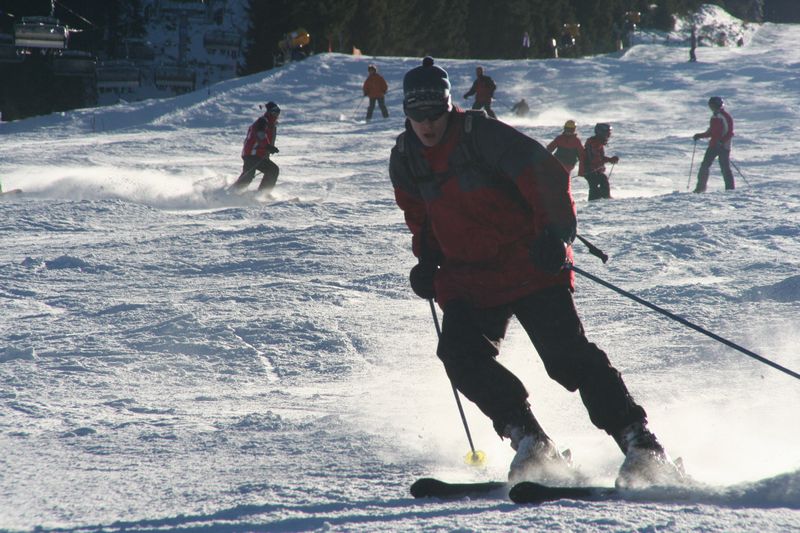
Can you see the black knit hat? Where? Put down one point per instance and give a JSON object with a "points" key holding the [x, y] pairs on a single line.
{"points": [[425, 86]]}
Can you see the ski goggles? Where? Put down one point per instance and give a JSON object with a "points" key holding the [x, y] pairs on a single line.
{"points": [[421, 114]]}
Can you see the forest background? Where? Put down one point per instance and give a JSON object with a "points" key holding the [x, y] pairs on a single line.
{"points": [[476, 29]]}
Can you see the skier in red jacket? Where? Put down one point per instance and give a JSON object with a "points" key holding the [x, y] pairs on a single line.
{"points": [[720, 134], [492, 222], [483, 88], [595, 167], [568, 148], [259, 144]]}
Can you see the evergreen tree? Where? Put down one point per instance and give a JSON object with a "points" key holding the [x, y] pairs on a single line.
{"points": [[269, 22]]}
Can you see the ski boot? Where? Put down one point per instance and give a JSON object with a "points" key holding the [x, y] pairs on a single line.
{"points": [[646, 463], [537, 458]]}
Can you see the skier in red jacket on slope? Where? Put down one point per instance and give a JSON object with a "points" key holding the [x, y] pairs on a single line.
{"points": [[719, 134], [492, 220], [596, 160], [259, 144], [483, 88], [568, 148]]}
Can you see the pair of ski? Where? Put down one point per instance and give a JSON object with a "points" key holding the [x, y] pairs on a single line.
{"points": [[523, 492]]}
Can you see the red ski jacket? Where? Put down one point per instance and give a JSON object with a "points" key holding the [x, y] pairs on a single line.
{"points": [[568, 150], [476, 201], [256, 144], [595, 155], [483, 88], [720, 129]]}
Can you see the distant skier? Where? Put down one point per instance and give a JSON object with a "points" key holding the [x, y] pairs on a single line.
{"points": [[492, 220], [375, 88], [595, 162], [720, 134], [526, 45], [693, 46], [259, 144], [520, 108], [483, 88], [568, 148]]}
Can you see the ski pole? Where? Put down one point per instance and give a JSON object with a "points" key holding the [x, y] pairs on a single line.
{"points": [[739, 171], [611, 171], [594, 250], [358, 106], [474, 457], [685, 322], [691, 166]]}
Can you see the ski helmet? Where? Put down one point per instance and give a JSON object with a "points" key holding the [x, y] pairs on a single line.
{"points": [[603, 129], [273, 108], [570, 125], [715, 102]]}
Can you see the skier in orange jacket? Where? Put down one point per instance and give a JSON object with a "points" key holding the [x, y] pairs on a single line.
{"points": [[568, 148], [375, 88]]}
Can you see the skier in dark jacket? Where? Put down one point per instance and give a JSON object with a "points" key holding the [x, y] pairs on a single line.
{"points": [[719, 134], [492, 221], [596, 160], [483, 88], [259, 144], [521, 108]]}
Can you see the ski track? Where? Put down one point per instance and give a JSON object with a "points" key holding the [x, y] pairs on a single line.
{"points": [[174, 358]]}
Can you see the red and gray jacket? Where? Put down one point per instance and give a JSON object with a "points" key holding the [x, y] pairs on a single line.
{"points": [[720, 129], [476, 201], [256, 141]]}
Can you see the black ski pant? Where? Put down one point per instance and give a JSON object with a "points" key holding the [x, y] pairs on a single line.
{"points": [[599, 187], [470, 343], [253, 163], [381, 104], [487, 106], [724, 165]]}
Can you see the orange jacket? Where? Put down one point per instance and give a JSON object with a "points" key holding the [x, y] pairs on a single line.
{"points": [[375, 86], [568, 150]]}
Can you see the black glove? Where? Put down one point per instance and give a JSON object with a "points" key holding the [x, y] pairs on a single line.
{"points": [[421, 278], [697, 136], [549, 252], [272, 149]]}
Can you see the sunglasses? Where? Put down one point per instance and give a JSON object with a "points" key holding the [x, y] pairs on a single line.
{"points": [[421, 114], [275, 112]]}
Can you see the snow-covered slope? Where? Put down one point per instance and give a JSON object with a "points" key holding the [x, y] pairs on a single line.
{"points": [[171, 358]]}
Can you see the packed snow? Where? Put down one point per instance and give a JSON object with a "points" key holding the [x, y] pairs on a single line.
{"points": [[174, 358]]}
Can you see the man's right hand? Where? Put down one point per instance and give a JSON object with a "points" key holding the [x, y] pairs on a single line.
{"points": [[272, 149], [697, 136], [421, 278], [549, 253]]}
